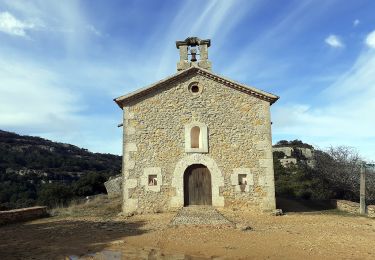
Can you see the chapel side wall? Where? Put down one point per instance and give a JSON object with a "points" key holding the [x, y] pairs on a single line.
{"points": [[239, 134], [269, 201], [130, 202]]}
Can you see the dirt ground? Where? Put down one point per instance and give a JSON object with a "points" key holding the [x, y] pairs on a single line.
{"points": [[305, 235]]}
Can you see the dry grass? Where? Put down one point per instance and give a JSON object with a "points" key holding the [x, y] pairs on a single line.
{"points": [[100, 206]]}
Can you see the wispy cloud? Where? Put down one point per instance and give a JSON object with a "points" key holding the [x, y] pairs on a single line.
{"points": [[334, 41], [63, 20], [347, 116], [92, 29], [370, 39], [31, 96], [13, 26], [356, 22], [284, 28], [206, 20], [38, 100]]}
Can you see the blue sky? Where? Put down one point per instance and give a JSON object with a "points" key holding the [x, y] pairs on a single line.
{"points": [[62, 63]]}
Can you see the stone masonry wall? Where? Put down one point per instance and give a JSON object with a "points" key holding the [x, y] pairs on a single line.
{"points": [[239, 140], [352, 207], [18, 215], [371, 211]]}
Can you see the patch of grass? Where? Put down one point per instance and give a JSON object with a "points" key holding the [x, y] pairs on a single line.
{"points": [[100, 206]]}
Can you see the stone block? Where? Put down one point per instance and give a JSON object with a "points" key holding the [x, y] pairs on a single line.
{"points": [[114, 186]]}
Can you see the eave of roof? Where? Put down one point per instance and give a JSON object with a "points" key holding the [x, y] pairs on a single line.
{"points": [[271, 98]]}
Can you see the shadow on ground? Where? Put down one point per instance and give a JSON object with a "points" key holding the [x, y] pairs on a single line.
{"points": [[299, 205], [55, 239]]}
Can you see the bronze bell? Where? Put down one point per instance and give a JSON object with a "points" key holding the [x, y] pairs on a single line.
{"points": [[193, 53]]}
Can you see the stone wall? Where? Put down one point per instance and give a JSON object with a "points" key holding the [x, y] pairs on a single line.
{"points": [[239, 141], [352, 207], [114, 186], [371, 211], [19, 215]]}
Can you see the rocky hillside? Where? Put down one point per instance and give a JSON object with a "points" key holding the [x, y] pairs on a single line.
{"points": [[27, 163], [290, 153]]}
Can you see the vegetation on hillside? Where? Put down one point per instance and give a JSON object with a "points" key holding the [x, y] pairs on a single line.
{"points": [[34, 171], [293, 143], [335, 176]]}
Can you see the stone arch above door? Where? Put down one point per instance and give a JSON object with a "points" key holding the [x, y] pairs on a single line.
{"points": [[217, 179]]}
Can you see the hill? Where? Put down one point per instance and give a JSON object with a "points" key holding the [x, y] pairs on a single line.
{"points": [[32, 168]]}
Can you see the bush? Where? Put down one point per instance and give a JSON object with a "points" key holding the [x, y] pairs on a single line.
{"points": [[90, 184], [300, 181], [55, 194]]}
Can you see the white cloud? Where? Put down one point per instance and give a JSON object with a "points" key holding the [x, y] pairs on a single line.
{"points": [[370, 39], [334, 41], [11, 25], [356, 22]]}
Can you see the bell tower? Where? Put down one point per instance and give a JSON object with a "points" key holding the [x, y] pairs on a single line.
{"points": [[190, 48]]}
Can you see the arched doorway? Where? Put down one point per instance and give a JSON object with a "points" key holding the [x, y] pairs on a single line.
{"points": [[197, 185]]}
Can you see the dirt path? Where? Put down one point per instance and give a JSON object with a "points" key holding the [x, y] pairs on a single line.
{"points": [[292, 236]]}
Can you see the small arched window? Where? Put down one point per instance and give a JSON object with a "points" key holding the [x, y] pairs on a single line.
{"points": [[194, 137]]}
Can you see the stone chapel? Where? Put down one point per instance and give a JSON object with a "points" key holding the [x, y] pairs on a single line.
{"points": [[197, 138]]}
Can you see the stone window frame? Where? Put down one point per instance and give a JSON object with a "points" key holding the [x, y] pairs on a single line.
{"points": [[203, 138], [249, 178], [145, 178]]}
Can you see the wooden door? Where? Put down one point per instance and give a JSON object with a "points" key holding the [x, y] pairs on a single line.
{"points": [[197, 185]]}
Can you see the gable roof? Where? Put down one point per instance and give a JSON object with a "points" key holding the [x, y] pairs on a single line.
{"points": [[271, 98]]}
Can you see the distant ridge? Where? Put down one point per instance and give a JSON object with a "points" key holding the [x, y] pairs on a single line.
{"points": [[36, 170], [36, 153]]}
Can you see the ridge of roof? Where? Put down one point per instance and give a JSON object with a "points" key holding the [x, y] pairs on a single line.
{"points": [[209, 74]]}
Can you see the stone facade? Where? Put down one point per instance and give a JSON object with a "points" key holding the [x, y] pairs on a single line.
{"points": [[156, 123]]}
